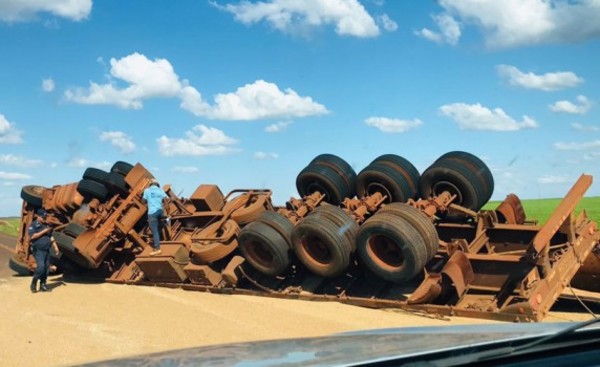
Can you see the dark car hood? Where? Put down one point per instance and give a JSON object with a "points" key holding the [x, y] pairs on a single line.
{"points": [[342, 349]]}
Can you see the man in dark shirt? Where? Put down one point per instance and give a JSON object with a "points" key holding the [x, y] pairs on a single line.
{"points": [[40, 237]]}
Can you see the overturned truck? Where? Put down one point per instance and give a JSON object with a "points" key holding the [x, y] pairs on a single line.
{"points": [[387, 237]]}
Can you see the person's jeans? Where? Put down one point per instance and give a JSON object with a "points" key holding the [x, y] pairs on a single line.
{"points": [[153, 222], [42, 265]]}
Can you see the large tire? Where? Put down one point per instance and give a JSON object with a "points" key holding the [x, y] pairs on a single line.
{"points": [[121, 168], [92, 189], [115, 183], [265, 248], [64, 242], [279, 223], [382, 178], [325, 180], [340, 166], [478, 184], [391, 248], [18, 266], [74, 229], [66, 246], [476, 166], [404, 167], [223, 241], [33, 195], [455, 178], [345, 223], [96, 174], [319, 246], [417, 220]]}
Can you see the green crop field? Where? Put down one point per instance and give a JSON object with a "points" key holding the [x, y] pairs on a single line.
{"points": [[541, 209], [9, 226]]}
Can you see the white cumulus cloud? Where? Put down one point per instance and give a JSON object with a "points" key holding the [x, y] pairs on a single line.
{"points": [[298, 17], [478, 117], [200, 140], [553, 179], [8, 132], [19, 161], [589, 145], [13, 176], [263, 155], [588, 150], [584, 128], [449, 30], [511, 23], [48, 85], [118, 139], [546, 82], [263, 100], [389, 125], [77, 162], [278, 126], [591, 156], [583, 106], [157, 79], [146, 78], [387, 23], [185, 169], [24, 10]]}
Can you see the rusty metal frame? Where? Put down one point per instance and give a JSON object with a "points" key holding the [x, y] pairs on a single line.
{"points": [[509, 269], [475, 275], [521, 283]]}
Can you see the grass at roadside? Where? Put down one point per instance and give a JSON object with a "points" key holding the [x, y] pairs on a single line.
{"points": [[541, 209], [9, 226]]}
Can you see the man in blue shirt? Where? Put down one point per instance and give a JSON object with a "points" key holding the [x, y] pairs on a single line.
{"points": [[155, 199], [40, 237]]}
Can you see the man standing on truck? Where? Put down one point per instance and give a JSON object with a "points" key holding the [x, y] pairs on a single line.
{"points": [[155, 199], [40, 236]]}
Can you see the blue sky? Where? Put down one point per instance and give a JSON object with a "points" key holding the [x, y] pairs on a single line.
{"points": [[243, 94]]}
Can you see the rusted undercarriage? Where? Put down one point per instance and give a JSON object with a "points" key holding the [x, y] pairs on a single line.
{"points": [[378, 246]]}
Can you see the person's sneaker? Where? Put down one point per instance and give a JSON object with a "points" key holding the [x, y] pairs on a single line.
{"points": [[43, 288], [33, 290], [156, 252]]}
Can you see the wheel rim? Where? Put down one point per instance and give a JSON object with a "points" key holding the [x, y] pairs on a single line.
{"points": [[441, 186], [376, 187], [315, 186], [316, 249], [260, 253], [385, 253]]}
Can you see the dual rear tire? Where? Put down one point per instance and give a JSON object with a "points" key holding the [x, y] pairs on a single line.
{"points": [[325, 240], [392, 176], [331, 176], [461, 174], [99, 184], [266, 243]]}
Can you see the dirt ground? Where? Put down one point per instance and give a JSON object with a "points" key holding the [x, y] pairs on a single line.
{"points": [[78, 322]]}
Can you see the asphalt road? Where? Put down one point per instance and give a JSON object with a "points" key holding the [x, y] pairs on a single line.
{"points": [[7, 245]]}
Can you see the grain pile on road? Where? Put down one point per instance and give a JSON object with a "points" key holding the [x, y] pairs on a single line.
{"points": [[80, 322]]}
